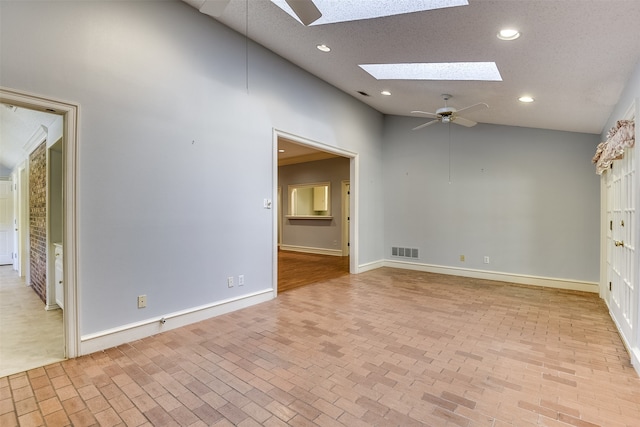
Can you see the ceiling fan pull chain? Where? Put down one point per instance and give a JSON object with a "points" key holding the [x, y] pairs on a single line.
{"points": [[449, 152]]}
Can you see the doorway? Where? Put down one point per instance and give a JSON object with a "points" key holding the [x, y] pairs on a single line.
{"points": [[620, 257], [67, 163], [332, 257]]}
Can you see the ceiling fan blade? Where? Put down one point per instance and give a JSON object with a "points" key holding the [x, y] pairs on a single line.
{"points": [[474, 107], [214, 8], [425, 113], [306, 10], [425, 124], [464, 122]]}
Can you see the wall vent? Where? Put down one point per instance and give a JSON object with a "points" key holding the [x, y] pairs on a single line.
{"points": [[404, 252]]}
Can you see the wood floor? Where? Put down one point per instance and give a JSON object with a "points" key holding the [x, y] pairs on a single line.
{"points": [[299, 269], [383, 348]]}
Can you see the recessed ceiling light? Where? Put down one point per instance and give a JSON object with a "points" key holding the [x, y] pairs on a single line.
{"points": [[508, 34], [355, 10], [526, 98], [324, 48], [483, 71], [281, 151], [385, 93]]}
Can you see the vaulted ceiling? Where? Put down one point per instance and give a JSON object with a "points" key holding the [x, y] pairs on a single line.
{"points": [[573, 56]]}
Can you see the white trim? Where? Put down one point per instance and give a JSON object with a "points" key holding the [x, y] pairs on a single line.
{"points": [[370, 266], [344, 234], [634, 352], [70, 113], [354, 212], [38, 137], [354, 173], [276, 216], [109, 338], [604, 288], [310, 250], [635, 359], [522, 279]]}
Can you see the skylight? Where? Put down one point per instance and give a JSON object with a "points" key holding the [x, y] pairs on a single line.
{"points": [[485, 71], [355, 10]]}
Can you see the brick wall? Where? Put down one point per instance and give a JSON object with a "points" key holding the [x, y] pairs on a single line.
{"points": [[38, 220]]}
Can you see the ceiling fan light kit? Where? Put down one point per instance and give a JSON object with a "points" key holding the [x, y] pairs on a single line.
{"points": [[448, 114]]}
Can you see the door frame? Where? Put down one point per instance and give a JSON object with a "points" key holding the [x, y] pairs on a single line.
{"points": [[353, 202], [345, 194], [70, 114], [9, 220]]}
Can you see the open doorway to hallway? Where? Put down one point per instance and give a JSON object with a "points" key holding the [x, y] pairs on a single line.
{"points": [[314, 207], [39, 311], [31, 324]]}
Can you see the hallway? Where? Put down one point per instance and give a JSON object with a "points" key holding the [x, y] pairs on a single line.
{"points": [[30, 336]]}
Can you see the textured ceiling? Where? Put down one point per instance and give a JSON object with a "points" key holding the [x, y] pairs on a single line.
{"points": [[574, 56]]}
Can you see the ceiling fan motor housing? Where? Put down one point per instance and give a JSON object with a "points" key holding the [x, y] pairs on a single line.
{"points": [[445, 111]]}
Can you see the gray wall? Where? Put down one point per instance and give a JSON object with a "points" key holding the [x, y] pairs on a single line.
{"points": [[175, 160], [322, 234], [175, 153], [527, 198]]}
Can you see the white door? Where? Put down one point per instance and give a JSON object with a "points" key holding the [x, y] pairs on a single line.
{"points": [[6, 223], [621, 208]]}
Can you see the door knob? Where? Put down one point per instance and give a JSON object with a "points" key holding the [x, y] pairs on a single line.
{"points": [[618, 243]]}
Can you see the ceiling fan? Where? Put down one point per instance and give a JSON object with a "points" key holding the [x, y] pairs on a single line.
{"points": [[448, 114], [306, 10]]}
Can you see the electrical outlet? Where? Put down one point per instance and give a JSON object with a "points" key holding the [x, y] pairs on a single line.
{"points": [[486, 260], [142, 301], [241, 280], [230, 281], [462, 258]]}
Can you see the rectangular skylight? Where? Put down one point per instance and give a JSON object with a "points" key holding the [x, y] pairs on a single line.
{"points": [[356, 10], [485, 71]]}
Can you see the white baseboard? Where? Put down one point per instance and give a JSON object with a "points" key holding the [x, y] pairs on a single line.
{"points": [[635, 359], [309, 250], [634, 352], [50, 307], [574, 285], [370, 266], [91, 343]]}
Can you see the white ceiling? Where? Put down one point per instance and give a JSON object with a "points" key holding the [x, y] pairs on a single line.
{"points": [[17, 127], [574, 56]]}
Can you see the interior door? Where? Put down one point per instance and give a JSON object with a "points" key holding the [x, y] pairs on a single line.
{"points": [[621, 205], [6, 223]]}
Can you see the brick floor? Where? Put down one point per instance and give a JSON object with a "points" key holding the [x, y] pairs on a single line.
{"points": [[386, 348]]}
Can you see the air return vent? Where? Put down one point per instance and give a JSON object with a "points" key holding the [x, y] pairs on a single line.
{"points": [[404, 252]]}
